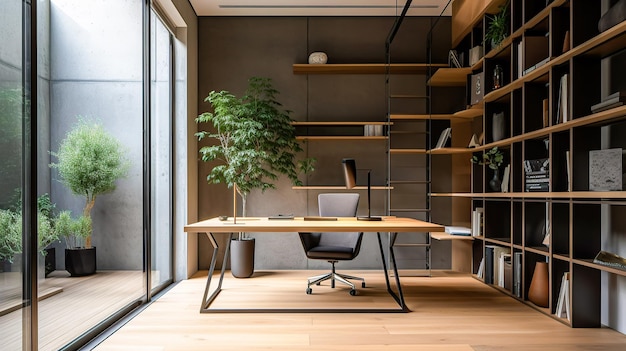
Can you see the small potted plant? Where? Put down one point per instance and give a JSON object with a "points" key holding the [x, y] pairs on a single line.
{"points": [[498, 27], [74, 232], [493, 159], [90, 161], [10, 239]]}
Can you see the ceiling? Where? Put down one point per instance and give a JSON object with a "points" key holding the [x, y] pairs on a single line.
{"points": [[319, 7]]}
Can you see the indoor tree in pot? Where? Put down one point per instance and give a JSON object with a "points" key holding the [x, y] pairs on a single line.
{"points": [[255, 143], [493, 159], [90, 161]]}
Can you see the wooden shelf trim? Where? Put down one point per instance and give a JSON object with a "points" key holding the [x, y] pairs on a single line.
{"points": [[335, 123], [472, 112], [340, 137], [365, 68], [447, 236], [451, 150], [589, 263], [596, 118], [339, 187], [407, 151], [450, 77], [422, 117], [556, 195]]}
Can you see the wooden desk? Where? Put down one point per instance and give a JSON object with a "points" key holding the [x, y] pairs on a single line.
{"points": [[393, 225]]}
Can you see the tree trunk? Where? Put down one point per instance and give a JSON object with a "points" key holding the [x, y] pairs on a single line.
{"points": [[87, 213]]}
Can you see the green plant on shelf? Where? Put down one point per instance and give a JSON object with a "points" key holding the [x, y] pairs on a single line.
{"points": [[498, 27], [492, 158]]}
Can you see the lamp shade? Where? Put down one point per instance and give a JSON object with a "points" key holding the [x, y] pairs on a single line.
{"points": [[349, 171]]}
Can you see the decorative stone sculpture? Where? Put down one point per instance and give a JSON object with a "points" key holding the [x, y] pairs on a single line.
{"points": [[318, 58]]}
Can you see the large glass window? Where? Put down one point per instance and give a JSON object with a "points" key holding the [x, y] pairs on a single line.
{"points": [[90, 71], [12, 112], [161, 151]]}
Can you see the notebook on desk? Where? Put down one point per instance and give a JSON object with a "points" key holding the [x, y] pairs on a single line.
{"points": [[319, 218]]}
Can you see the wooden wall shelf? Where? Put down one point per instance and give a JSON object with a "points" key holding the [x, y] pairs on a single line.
{"points": [[450, 77], [365, 68]]}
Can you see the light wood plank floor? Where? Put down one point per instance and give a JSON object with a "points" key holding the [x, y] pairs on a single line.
{"points": [[449, 312]]}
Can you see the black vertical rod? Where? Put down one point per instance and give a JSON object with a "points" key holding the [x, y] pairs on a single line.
{"points": [[147, 203], [369, 190], [29, 171]]}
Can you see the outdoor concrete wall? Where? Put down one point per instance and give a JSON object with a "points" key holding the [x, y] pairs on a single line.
{"points": [[96, 72], [268, 46]]}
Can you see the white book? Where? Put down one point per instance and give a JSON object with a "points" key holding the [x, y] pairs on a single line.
{"points": [[477, 215], [443, 138], [505, 179], [481, 268], [563, 303], [564, 99], [569, 171]]}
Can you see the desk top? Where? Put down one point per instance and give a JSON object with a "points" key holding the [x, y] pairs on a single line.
{"points": [[298, 224]]}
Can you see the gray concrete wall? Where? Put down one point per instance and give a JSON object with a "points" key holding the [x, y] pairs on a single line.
{"points": [[96, 72], [268, 47]]}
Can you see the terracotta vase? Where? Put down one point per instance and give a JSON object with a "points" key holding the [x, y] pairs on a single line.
{"points": [[539, 291]]}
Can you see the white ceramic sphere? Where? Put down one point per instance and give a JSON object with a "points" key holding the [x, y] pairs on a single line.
{"points": [[318, 58]]}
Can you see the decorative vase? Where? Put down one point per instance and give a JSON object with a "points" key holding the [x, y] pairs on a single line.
{"points": [[242, 257], [498, 126], [318, 58], [539, 290], [495, 183]]}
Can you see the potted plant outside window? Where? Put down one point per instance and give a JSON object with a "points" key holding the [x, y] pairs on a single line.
{"points": [[254, 143], [90, 161], [74, 232]]}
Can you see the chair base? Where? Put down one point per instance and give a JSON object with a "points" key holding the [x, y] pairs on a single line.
{"points": [[334, 276]]}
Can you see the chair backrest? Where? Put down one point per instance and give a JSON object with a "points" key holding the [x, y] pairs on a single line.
{"points": [[339, 205]]}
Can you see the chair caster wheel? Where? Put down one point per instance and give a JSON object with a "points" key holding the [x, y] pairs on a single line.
{"points": [[318, 283], [309, 291], [353, 292], [363, 284]]}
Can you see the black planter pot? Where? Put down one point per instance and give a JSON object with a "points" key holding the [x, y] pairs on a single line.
{"points": [[50, 260], [80, 262]]}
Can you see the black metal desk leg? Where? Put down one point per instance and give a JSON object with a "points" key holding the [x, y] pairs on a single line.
{"points": [[204, 307], [399, 297]]}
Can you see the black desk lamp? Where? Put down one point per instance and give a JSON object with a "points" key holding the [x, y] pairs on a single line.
{"points": [[349, 172]]}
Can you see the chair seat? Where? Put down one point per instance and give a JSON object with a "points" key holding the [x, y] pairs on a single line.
{"points": [[331, 252]]}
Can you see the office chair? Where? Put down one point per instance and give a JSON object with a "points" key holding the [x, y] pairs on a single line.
{"points": [[334, 247]]}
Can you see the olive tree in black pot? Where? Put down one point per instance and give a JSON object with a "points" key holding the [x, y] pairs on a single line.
{"points": [[255, 143], [90, 161]]}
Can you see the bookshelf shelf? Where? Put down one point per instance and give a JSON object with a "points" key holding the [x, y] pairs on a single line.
{"points": [[365, 68]]}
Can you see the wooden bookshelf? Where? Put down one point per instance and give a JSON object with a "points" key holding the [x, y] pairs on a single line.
{"points": [[365, 68], [532, 99]]}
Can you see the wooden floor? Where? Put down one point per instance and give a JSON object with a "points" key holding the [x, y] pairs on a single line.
{"points": [[449, 312], [81, 303]]}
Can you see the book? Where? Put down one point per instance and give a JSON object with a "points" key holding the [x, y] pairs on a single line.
{"points": [[614, 100], [477, 221], [517, 274], [489, 252], [563, 304], [564, 117], [481, 268], [569, 171], [443, 138], [473, 142], [605, 170], [508, 272], [546, 113], [453, 59], [455, 230], [536, 65], [498, 264], [505, 179], [537, 165]]}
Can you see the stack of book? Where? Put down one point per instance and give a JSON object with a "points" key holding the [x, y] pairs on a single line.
{"points": [[614, 100], [537, 174]]}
